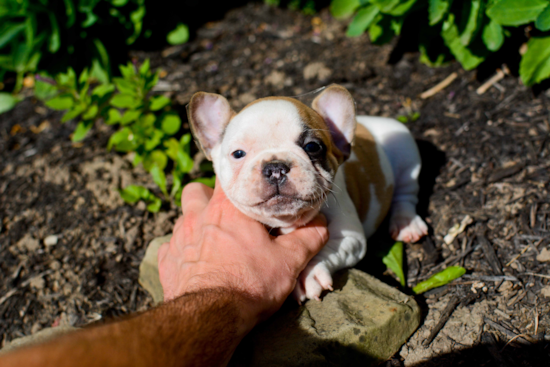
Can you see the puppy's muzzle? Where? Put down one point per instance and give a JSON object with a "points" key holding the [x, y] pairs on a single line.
{"points": [[275, 172]]}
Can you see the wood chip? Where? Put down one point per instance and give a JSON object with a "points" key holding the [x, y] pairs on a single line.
{"points": [[492, 81], [490, 254], [439, 87]]}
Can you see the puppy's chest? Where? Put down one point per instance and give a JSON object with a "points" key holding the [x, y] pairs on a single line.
{"points": [[367, 181]]}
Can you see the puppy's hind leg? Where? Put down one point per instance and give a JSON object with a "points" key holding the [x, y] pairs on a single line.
{"points": [[402, 152]]}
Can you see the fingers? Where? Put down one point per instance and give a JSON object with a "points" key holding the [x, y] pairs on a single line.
{"points": [[195, 197], [305, 242]]}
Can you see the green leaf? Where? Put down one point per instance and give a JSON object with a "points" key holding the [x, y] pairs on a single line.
{"points": [[125, 86], [62, 102], [90, 113], [81, 130], [129, 116], [362, 21], [70, 12], [403, 119], [55, 40], [114, 116], [492, 36], [147, 120], [43, 90], [516, 12], [437, 10], [394, 260], [133, 193], [179, 35], [210, 182], [144, 68], [103, 89], [7, 101], [10, 33], [184, 143], [158, 102], [84, 75], [343, 8], [543, 20], [124, 101], [155, 158], [120, 136], [473, 22], [385, 6], [154, 205], [176, 184], [402, 8], [73, 112], [119, 3], [440, 279], [535, 63], [99, 73], [159, 178], [451, 37], [154, 140], [127, 71], [172, 147], [171, 124], [184, 160]]}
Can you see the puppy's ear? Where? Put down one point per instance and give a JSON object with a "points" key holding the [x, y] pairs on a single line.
{"points": [[208, 116], [337, 108]]}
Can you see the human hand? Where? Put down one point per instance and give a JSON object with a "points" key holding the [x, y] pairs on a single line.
{"points": [[215, 246]]}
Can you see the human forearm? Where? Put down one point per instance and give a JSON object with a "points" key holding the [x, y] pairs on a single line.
{"points": [[197, 329]]}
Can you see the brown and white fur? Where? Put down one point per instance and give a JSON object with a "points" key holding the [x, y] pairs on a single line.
{"points": [[277, 182]]}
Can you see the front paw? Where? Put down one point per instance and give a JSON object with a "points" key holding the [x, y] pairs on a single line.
{"points": [[407, 227], [312, 282]]}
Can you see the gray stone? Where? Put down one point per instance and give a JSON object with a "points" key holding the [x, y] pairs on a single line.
{"points": [[363, 322], [149, 271], [37, 338]]}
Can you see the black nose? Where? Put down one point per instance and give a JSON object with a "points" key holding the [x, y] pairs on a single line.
{"points": [[275, 172]]}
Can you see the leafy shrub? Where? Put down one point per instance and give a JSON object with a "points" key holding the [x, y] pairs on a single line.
{"points": [[147, 125], [467, 30], [54, 34]]}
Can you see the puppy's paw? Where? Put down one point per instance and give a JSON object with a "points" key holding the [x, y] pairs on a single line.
{"points": [[312, 282], [407, 227]]}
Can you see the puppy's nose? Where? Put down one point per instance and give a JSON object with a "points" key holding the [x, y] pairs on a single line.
{"points": [[275, 172]]}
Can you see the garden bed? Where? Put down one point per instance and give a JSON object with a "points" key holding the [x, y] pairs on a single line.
{"points": [[484, 156]]}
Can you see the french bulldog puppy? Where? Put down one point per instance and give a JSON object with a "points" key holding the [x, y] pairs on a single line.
{"points": [[281, 162]]}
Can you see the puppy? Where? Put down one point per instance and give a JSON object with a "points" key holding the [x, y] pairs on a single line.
{"points": [[281, 162]]}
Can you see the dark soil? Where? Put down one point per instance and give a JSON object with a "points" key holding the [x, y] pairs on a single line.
{"points": [[484, 156]]}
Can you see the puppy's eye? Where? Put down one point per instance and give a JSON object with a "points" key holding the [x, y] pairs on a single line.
{"points": [[238, 154], [312, 148]]}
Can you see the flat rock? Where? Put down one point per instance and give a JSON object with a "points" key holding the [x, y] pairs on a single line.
{"points": [[149, 271], [36, 338], [363, 322]]}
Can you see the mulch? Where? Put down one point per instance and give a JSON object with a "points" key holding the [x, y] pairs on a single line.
{"points": [[485, 158]]}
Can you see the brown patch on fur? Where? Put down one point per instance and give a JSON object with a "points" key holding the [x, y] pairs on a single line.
{"points": [[314, 121], [364, 172]]}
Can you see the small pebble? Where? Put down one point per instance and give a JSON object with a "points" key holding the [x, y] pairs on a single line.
{"points": [[51, 240]]}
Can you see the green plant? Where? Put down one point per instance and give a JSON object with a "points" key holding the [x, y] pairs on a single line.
{"points": [[440, 279], [467, 30], [148, 126], [51, 35]]}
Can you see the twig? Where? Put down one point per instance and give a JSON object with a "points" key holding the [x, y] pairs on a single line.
{"points": [[445, 315], [521, 339], [511, 340], [518, 255], [494, 79], [491, 278], [490, 255], [439, 87], [22, 285], [537, 275]]}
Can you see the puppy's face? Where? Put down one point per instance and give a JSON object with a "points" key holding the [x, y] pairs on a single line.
{"points": [[276, 159]]}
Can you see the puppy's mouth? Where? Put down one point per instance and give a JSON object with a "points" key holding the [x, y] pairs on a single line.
{"points": [[284, 200]]}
